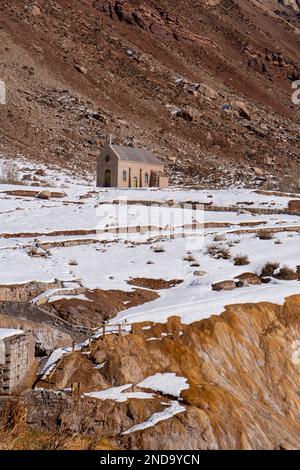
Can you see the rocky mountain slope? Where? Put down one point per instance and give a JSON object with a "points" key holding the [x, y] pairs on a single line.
{"points": [[205, 84]]}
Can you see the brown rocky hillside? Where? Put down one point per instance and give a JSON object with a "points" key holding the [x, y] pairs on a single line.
{"points": [[205, 84]]}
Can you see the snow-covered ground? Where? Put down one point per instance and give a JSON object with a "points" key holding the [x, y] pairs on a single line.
{"points": [[102, 257], [168, 413], [119, 394], [8, 332], [167, 383]]}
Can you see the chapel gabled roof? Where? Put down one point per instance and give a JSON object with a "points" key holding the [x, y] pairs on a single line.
{"points": [[131, 154]]}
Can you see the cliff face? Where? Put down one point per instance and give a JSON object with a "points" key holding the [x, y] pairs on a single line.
{"points": [[242, 373], [206, 85]]}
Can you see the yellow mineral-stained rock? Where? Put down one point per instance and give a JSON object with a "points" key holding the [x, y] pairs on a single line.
{"points": [[241, 370]]}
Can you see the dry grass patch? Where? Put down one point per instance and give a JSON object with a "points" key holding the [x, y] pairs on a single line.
{"points": [[158, 249], [287, 274], [73, 262], [190, 258], [269, 269], [265, 235], [218, 252], [241, 260]]}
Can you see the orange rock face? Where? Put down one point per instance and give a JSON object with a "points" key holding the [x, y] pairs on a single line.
{"points": [[242, 372]]}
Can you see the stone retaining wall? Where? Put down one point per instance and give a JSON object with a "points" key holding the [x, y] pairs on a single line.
{"points": [[18, 359], [27, 311]]}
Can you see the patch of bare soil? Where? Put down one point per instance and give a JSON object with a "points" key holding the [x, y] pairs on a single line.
{"points": [[155, 284], [101, 306]]}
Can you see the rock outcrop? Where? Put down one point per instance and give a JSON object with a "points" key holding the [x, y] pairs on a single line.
{"points": [[242, 369], [26, 292], [47, 338]]}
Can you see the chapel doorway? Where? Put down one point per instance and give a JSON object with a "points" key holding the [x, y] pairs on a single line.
{"points": [[107, 179]]}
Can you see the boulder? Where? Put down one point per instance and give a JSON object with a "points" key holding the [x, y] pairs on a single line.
{"points": [[44, 194], [269, 161], [292, 4], [187, 114], [199, 273], [224, 285], [35, 11], [81, 69], [249, 279], [239, 284], [209, 92], [242, 110], [258, 171]]}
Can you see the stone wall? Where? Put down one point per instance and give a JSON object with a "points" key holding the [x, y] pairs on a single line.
{"points": [[26, 292], [19, 357], [27, 311]]}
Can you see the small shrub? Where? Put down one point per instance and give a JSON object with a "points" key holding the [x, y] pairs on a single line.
{"points": [[287, 274], [269, 268], [241, 260], [189, 258], [158, 249], [212, 249], [218, 252], [223, 253], [265, 235], [73, 262]]}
